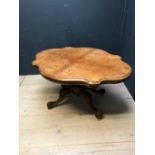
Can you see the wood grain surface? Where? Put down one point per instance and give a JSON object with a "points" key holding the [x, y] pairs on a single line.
{"points": [[82, 65]]}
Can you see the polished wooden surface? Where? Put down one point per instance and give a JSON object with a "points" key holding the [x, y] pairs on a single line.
{"points": [[88, 66]]}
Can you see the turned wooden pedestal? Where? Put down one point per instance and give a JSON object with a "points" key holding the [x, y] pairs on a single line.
{"points": [[78, 90], [81, 70]]}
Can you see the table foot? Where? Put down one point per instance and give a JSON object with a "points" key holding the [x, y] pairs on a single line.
{"points": [[99, 115], [62, 94], [79, 91]]}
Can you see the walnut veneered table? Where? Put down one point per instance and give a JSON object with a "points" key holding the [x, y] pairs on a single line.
{"points": [[79, 70]]}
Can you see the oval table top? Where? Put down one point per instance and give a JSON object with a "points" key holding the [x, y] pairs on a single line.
{"points": [[85, 66]]}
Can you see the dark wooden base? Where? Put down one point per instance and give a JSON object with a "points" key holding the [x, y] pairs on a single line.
{"points": [[78, 90]]}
